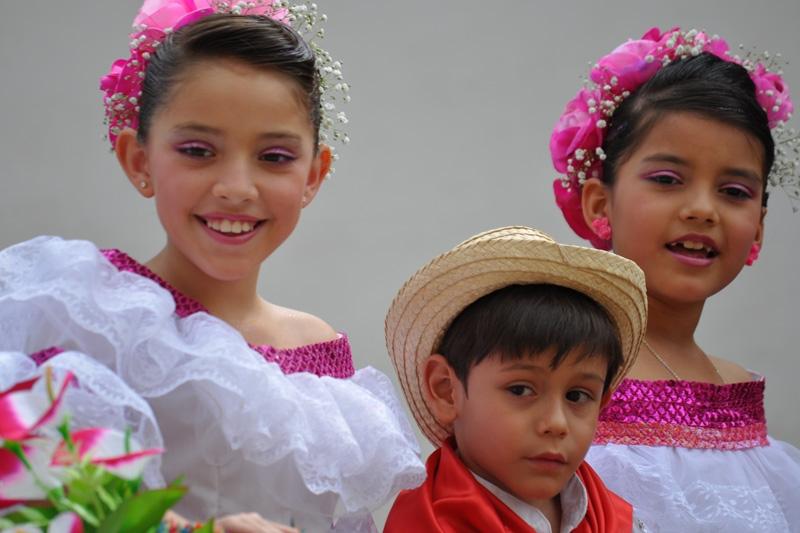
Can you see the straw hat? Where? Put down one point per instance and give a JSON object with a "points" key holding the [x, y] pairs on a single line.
{"points": [[428, 302]]}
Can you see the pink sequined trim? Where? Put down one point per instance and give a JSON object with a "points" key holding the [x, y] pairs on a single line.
{"points": [[685, 414], [329, 358]]}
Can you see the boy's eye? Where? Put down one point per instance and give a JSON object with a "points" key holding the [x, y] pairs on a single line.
{"points": [[520, 390], [579, 396], [195, 150], [277, 156], [737, 192]]}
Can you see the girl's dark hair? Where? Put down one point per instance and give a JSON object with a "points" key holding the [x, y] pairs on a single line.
{"points": [[704, 84], [257, 41], [527, 320]]}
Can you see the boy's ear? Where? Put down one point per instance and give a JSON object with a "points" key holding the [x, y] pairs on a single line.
{"points": [[439, 389], [595, 200], [132, 158]]}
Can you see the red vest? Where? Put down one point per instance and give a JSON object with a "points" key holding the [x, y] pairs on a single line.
{"points": [[452, 501]]}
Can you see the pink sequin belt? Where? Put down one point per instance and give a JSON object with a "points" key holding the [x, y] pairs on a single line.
{"points": [[685, 414]]}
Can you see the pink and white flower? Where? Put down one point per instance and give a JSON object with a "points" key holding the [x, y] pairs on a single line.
{"points": [[25, 409], [106, 448]]}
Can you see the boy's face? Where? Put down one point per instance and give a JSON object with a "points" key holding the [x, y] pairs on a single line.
{"points": [[526, 427]]}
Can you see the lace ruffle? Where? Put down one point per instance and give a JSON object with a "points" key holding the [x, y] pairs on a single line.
{"points": [[705, 490], [349, 437]]}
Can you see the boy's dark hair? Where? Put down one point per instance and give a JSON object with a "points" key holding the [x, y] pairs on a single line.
{"points": [[706, 85], [524, 320]]}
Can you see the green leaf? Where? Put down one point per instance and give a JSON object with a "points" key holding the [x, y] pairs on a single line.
{"points": [[208, 527], [39, 516], [143, 511], [16, 448], [86, 515], [109, 499]]}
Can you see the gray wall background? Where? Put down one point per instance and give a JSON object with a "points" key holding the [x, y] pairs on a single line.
{"points": [[452, 107]]}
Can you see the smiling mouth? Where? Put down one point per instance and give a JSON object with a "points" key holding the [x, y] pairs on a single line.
{"points": [[692, 249], [230, 227]]}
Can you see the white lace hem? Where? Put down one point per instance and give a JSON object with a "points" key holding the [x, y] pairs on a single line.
{"points": [[705, 490]]}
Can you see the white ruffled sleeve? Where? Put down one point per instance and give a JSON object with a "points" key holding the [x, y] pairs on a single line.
{"points": [[345, 440]]}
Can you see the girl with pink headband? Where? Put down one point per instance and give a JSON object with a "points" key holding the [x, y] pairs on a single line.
{"points": [[221, 115], [665, 159]]}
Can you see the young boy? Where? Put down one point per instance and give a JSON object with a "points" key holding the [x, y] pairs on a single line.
{"points": [[507, 347]]}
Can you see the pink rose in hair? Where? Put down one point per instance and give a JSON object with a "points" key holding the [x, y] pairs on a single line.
{"points": [[108, 83], [773, 95], [163, 14], [717, 46], [628, 66], [576, 128]]}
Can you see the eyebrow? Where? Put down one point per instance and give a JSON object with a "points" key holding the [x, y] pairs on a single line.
{"points": [[537, 368], [202, 128], [727, 171]]}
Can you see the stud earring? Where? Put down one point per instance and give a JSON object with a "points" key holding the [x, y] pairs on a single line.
{"points": [[602, 228], [752, 257], [143, 184]]}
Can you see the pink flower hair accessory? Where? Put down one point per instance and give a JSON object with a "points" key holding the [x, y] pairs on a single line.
{"points": [[576, 144], [752, 256], [602, 228], [122, 85]]}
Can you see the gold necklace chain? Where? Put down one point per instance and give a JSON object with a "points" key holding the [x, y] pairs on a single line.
{"points": [[669, 369]]}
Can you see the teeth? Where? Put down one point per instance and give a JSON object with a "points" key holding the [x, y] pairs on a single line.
{"points": [[695, 246], [226, 226]]}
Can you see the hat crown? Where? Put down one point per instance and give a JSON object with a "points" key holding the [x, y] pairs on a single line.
{"points": [[428, 302]]}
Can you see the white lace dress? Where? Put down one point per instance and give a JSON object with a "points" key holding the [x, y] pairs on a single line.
{"points": [[303, 447], [696, 457]]}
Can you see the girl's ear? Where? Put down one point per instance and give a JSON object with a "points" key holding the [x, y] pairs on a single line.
{"points": [[132, 158], [440, 389], [595, 201], [316, 175], [760, 232]]}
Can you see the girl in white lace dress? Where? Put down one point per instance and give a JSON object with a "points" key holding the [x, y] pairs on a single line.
{"points": [[216, 116], [666, 161]]}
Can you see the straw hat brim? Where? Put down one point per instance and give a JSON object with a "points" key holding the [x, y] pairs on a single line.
{"points": [[429, 301]]}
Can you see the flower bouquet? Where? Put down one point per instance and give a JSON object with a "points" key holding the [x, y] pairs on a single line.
{"points": [[54, 479]]}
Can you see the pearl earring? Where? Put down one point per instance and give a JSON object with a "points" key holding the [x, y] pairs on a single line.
{"points": [[143, 184]]}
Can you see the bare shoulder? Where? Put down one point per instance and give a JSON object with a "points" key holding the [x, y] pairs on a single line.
{"points": [[732, 372], [298, 328]]}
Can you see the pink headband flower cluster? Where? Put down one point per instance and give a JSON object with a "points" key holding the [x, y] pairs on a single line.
{"points": [[157, 19], [122, 86], [577, 139]]}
